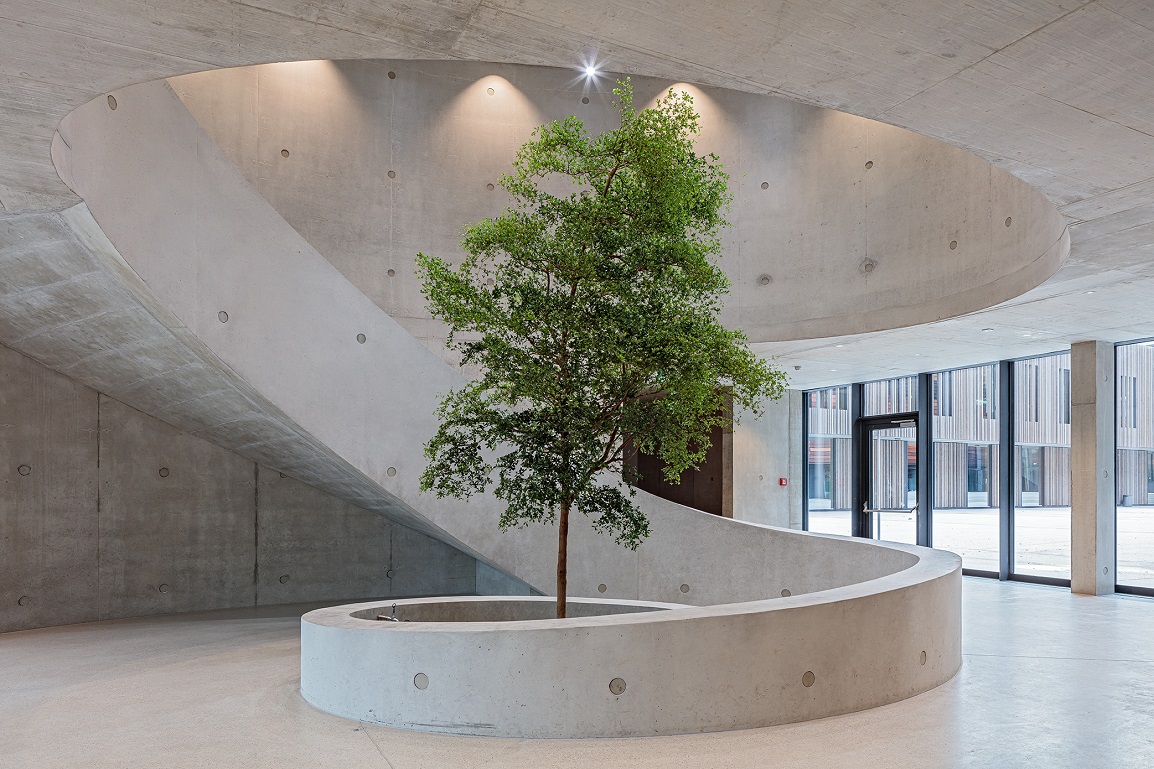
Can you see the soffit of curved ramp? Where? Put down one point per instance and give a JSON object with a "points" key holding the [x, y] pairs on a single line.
{"points": [[840, 225]]}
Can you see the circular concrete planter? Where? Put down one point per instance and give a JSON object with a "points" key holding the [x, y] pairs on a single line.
{"points": [[500, 666]]}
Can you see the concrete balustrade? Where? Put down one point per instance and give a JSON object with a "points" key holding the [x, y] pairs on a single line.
{"points": [[502, 667]]}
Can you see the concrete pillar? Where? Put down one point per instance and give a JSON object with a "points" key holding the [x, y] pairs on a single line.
{"points": [[1092, 514], [797, 449]]}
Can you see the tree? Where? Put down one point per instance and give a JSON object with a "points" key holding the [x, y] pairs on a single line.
{"points": [[590, 307]]}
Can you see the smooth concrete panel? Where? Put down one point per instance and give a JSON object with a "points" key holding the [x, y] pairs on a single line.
{"points": [[48, 480], [424, 566], [798, 458], [761, 458], [492, 581], [1093, 519], [177, 523], [721, 560], [121, 514], [312, 546]]}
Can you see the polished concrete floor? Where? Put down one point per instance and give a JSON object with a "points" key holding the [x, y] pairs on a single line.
{"points": [[1050, 680]]}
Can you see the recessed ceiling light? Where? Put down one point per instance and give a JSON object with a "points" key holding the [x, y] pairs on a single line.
{"points": [[1089, 292], [833, 370], [839, 345], [987, 329], [590, 70]]}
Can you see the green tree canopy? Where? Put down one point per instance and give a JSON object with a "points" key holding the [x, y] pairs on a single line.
{"points": [[591, 307]]}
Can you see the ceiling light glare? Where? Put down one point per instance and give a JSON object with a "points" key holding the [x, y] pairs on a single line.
{"points": [[590, 70]]}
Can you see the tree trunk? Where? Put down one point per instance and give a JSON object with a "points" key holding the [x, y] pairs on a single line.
{"points": [[562, 559]]}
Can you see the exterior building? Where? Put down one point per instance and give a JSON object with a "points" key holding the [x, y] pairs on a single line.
{"points": [[965, 436], [1135, 428]]}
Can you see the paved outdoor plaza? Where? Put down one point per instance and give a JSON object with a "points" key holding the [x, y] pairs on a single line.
{"points": [[1041, 541]]}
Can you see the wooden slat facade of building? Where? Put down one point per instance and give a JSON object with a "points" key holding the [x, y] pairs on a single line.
{"points": [[1042, 401], [965, 429], [1134, 412]]}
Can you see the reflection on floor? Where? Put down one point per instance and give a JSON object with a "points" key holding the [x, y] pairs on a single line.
{"points": [[1050, 680], [1041, 538]]}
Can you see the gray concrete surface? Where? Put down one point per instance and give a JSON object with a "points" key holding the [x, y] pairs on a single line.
{"points": [[798, 458], [1093, 524], [120, 514], [832, 647], [1049, 679], [765, 450], [841, 190], [483, 613], [492, 581]]}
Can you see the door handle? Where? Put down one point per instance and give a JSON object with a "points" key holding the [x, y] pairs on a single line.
{"points": [[875, 522]]}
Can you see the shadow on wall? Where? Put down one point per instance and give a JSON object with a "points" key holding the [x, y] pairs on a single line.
{"points": [[108, 512]]}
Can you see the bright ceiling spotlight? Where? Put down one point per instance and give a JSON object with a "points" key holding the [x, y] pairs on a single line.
{"points": [[590, 70]]}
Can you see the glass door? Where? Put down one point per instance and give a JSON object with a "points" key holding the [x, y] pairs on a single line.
{"points": [[889, 472]]}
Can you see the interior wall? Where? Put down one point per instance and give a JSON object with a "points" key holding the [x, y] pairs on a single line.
{"points": [[708, 487], [767, 449], [107, 512]]}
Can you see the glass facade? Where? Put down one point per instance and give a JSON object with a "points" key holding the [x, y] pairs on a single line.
{"points": [[1042, 466], [828, 457], [966, 486], [1134, 411], [894, 483], [966, 504]]}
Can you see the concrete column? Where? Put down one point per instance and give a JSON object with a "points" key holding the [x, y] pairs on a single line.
{"points": [[1092, 514], [797, 449]]}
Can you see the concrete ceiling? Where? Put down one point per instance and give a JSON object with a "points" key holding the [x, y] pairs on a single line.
{"points": [[1057, 93]]}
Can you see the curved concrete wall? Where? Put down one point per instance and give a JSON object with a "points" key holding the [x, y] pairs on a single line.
{"points": [[496, 610], [854, 228], [685, 670]]}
